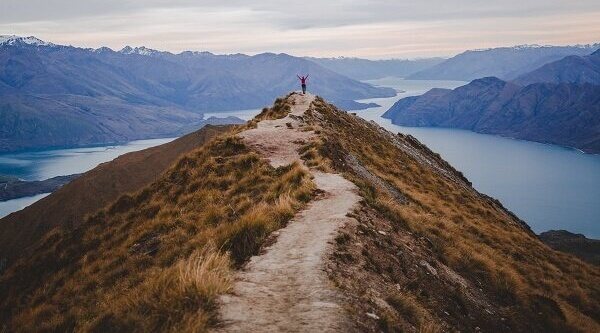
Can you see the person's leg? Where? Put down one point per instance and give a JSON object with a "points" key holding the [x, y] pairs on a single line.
{"points": [[304, 89]]}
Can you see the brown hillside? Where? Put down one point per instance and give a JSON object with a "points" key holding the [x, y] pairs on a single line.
{"points": [[422, 252], [151, 260], [438, 255], [94, 190]]}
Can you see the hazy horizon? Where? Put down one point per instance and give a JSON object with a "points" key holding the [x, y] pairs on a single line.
{"points": [[133, 45], [372, 30]]}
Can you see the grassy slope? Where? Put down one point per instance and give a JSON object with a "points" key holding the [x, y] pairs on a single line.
{"points": [[526, 284], [94, 190], [156, 259]]}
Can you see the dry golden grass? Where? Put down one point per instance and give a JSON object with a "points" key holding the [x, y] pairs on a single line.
{"points": [[410, 309], [156, 260], [468, 232], [281, 107], [170, 297], [312, 158]]}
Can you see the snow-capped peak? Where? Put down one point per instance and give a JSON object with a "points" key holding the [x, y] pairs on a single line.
{"points": [[14, 40], [141, 50], [102, 49]]}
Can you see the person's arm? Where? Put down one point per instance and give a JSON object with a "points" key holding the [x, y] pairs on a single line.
{"points": [[306, 76], [299, 78]]}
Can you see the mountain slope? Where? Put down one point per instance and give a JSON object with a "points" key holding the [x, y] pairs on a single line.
{"points": [[571, 69], [93, 190], [53, 95], [364, 69], [423, 251], [14, 188], [506, 63], [300, 247], [577, 244], [430, 253], [44, 121], [564, 114], [196, 81]]}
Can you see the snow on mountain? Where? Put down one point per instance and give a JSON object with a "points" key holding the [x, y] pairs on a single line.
{"points": [[533, 46], [102, 49], [141, 50], [506, 63], [13, 40]]}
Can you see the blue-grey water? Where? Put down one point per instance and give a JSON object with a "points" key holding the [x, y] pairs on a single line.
{"points": [[46, 164], [549, 187]]}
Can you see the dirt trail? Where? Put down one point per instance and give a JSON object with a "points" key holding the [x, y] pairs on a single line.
{"points": [[286, 289]]}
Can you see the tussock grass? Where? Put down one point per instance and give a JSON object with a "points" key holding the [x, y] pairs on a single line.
{"points": [[472, 234], [170, 299], [313, 158], [410, 309], [280, 109], [156, 260]]}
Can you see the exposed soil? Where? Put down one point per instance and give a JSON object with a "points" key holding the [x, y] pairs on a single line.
{"points": [[286, 288]]}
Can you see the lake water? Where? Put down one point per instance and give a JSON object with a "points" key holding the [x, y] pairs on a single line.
{"points": [[46, 164], [549, 187]]}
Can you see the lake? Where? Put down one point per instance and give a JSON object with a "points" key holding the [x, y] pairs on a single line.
{"points": [[39, 165], [550, 187]]}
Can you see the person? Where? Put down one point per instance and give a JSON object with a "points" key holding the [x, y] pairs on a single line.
{"points": [[303, 82]]}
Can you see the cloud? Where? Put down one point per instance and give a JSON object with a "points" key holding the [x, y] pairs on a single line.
{"points": [[373, 28]]}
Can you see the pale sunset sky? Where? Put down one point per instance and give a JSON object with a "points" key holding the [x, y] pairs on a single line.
{"points": [[369, 29]]}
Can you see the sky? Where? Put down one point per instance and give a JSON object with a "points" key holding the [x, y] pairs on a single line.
{"points": [[374, 29]]}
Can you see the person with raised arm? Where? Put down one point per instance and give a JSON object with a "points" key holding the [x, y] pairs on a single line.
{"points": [[303, 82]]}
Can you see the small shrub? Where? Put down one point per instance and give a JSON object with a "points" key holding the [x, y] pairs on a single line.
{"points": [[243, 239]]}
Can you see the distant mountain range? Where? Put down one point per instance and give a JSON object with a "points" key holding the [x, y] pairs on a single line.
{"points": [[165, 239], [571, 69], [363, 69], [506, 63], [559, 104], [54, 95]]}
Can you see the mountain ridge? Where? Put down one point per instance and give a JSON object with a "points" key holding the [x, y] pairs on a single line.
{"points": [[94, 189], [564, 114], [365, 69], [506, 63], [54, 95], [570, 69], [421, 251]]}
